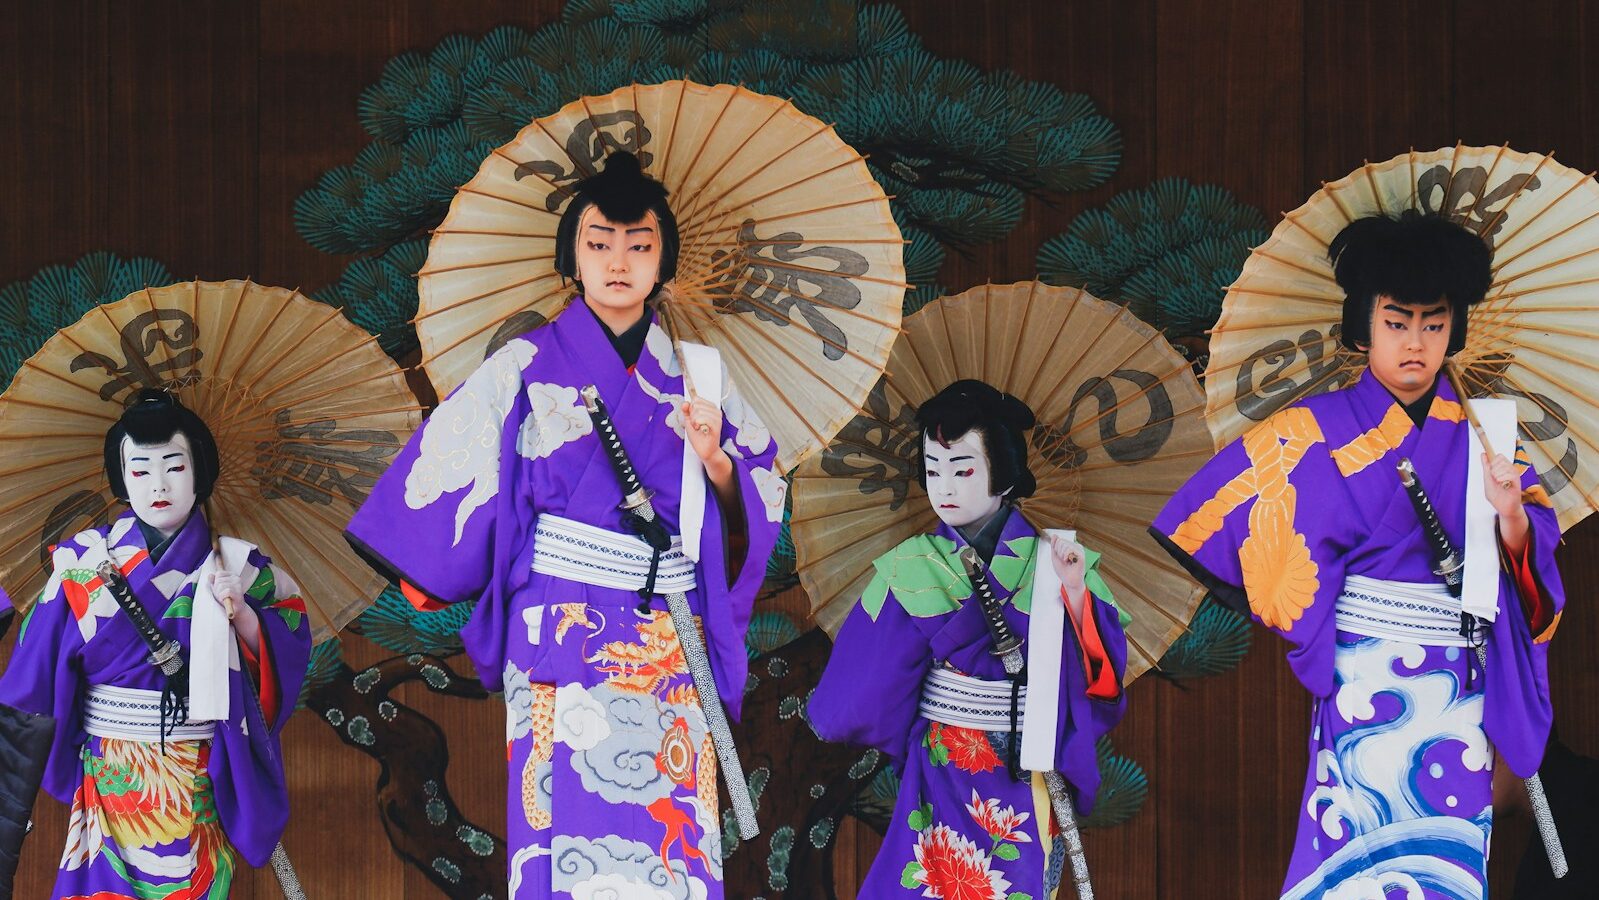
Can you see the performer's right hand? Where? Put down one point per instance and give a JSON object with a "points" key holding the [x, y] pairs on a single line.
{"points": [[1071, 564]]}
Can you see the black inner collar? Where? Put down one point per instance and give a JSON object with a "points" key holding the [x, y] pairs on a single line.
{"points": [[630, 343]]}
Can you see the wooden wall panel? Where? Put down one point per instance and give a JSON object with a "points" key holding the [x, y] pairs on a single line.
{"points": [[185, 132]]}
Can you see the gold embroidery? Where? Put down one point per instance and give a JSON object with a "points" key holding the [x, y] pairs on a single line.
{"points": [[1279, 573], [1366, 449], [1549, 632]]}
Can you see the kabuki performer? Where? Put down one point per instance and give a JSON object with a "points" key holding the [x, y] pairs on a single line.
{"points": [[916, 672], [510, 496], [1306, 522], [171, 777]]}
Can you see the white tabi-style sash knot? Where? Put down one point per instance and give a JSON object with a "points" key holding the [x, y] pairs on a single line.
{"points": [[577, 551], [134, 714], [213, 649], [951, 698], [702, 378], [1480, 586], [1414, 612], [1046, 631]]}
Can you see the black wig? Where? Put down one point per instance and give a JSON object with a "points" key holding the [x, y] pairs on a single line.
{"points": [[623, 194], [154, 416], [1001, 419], [1415, 260]]}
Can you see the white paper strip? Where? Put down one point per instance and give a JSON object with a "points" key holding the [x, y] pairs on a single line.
{"points": [[1046, 635], [1480, 591], [703, 373], [213, 650]]}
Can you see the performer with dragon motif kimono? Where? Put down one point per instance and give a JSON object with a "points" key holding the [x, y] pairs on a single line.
{"points": [[163, 803], [506, 497], [1304, 522], [915, 672]]}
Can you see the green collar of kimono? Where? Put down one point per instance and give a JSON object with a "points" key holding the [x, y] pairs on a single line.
{"points": [[928, 580]]}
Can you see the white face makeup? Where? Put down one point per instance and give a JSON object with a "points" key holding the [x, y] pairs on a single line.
{"points": [[160, 482], [958, 480], [618, 262]]}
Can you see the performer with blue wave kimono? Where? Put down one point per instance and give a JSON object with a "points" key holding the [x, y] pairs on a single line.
{"points": [[1304, 523]]}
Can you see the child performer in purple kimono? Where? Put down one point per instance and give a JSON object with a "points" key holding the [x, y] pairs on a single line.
{"points": [[506, 497], [914, 673], [162, 805], [1304, 523]]}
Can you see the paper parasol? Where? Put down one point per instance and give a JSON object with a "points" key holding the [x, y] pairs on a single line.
{"points": [[1119, 430], [1531, 340], [790, 262], [306, 409]]}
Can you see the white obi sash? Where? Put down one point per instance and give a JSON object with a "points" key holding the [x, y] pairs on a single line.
{"points": [[951, 698], [1417, 613], [132, 714], [576, 551]]}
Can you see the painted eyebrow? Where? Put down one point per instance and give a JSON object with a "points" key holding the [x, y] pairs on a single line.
{"points": [[1426, 313], [173, 455]]}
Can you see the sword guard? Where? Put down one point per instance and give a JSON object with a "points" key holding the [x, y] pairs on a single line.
{"points": [[636, 499]]}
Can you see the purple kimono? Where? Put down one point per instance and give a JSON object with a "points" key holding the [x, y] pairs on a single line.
{"points": [[1304, 522], [612, 773], [148, 820], [961, 826]]}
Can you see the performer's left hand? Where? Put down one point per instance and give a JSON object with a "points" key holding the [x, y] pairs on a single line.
{"points": [[702, 423], [1502, 483], [229, 591], [1071, 564]]}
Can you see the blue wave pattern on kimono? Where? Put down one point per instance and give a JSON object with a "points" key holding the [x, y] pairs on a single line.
{"points": [[1400, 761], [612, 787], [147, 821]]}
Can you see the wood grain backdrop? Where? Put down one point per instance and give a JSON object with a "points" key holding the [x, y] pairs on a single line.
{"points": [[184, 131]]}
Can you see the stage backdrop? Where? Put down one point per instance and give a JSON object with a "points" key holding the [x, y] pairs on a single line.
{"points": [[183, 134]]}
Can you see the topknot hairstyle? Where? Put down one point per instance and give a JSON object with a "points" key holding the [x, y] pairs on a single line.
{"points": [[154, 416], [623, 193], [1001, 419], [1414, 260]]}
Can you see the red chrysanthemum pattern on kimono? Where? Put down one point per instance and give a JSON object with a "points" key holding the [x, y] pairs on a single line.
{"points": [[954, 868], [1001, 824], [969, 749]]}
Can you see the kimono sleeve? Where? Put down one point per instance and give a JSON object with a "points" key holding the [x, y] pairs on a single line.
{"points": [[1086, 718], [1518, 711], [871, 690], [45, 677], [432, 519], [246, 765], [729, 585]]}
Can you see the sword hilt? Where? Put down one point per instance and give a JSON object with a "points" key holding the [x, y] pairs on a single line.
{"points": [[634, 495], [1006, 641], [1450, 563]]}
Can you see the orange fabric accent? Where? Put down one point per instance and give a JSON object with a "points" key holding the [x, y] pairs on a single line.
{"points": [[262, 669], [1102, 683], [419, 599]]}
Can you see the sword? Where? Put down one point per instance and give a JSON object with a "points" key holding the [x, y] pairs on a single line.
{"points": [[1450, 567], [640, 514], [1008, 646]]}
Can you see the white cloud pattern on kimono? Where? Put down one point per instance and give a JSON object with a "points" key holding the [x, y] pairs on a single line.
{"points": [[461, 440], [612, 886], [772, 489], [518, 703], [659, 343], [751, 432], [578, 860], [533, 618], [622, 768], [555, 420], [579, 719], [674, 419]]}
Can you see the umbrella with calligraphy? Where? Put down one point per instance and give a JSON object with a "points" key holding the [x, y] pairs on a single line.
{"points": [[790, 262], [306, 409], [1120, 429], [1530, 340]]}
